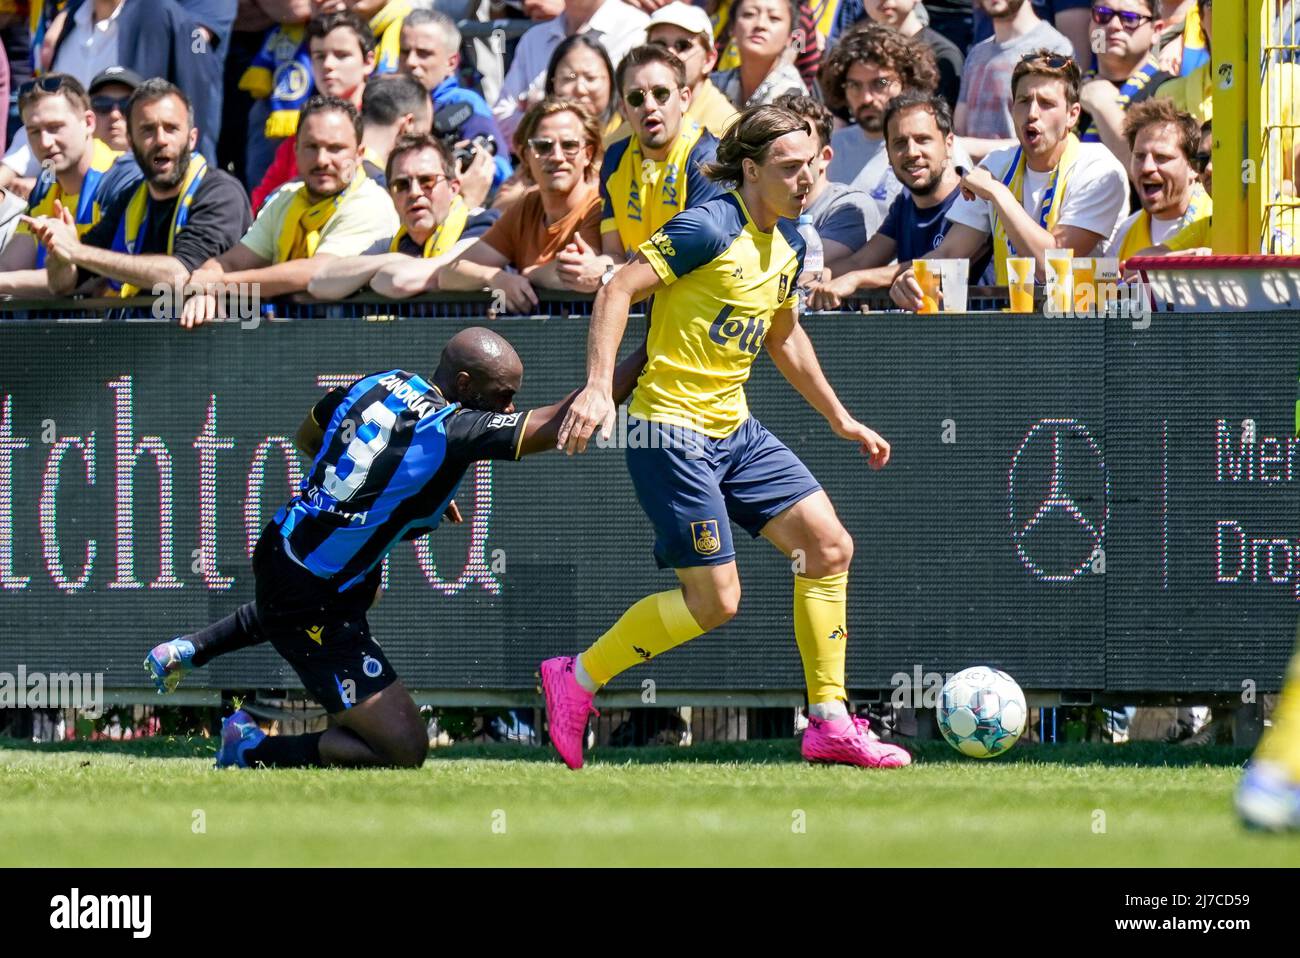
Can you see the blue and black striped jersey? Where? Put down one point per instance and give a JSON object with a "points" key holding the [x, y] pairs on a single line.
{"points": [[393, 452]]}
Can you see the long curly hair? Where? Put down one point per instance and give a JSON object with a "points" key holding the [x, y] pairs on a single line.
{"points": [[884, 47]]}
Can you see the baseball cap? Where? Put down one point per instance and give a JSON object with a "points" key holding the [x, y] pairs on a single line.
{"points": [[689, 17], [115, 75]]}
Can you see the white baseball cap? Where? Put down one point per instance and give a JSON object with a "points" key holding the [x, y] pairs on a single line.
{"points": [[689, 17]]}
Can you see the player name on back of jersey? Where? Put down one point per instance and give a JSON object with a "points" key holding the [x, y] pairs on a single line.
{"points": [[418, 401]]}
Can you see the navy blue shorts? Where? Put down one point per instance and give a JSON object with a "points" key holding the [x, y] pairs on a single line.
{"points": [[321, 632], [689, 485]]}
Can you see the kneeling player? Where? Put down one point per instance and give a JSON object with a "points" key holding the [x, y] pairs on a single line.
{"points": [[723, 277], [389, 452]]}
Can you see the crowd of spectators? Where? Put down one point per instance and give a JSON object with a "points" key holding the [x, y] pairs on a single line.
{"points": [[325, 147]]}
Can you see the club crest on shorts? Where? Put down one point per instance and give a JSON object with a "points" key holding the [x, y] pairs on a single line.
{"points": [[782, 288], [838, 635], [705, 536], [371, 666], [315, 632]]}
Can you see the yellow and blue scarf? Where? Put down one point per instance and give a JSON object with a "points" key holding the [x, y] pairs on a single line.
{"points": [[86, 203], [133, 226], [386, 25], [281, 70], [1049, 209], [1195, 47], [644, 203], [1130, 88], [441, 240], [39, 15]]}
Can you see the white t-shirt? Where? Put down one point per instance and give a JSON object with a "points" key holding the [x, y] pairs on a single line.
{"points": [[1096, 194], [1161, 230]]}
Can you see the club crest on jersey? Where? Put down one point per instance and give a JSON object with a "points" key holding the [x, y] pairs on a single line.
{"points": [[782, 288], [705, 536]]}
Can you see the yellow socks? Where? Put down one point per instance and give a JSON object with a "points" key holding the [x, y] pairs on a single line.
{"points": [[819, 616], [655, 624], [662, 621], [1281, 743]]}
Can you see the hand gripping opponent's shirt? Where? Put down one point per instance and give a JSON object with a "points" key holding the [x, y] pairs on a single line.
{"points": [[393, 452], [724, 279]]}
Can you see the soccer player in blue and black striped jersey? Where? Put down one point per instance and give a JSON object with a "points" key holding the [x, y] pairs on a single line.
{"points": [[388, 453]]}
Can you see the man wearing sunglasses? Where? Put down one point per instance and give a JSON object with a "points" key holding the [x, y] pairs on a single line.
{"points": [[79, 175], [685, 30], [437, 226], [560, 141], [1049, 192], [1123, 38], [654, 172], [109, 93]]}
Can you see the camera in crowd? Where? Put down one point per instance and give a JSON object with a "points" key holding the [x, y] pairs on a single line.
{"points": [[447, 123]]}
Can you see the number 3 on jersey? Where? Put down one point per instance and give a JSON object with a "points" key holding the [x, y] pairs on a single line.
{"points": [[361, 453]]}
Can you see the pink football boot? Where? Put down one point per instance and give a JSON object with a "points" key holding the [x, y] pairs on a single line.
{"points": [[567, 706], [850, 742]]}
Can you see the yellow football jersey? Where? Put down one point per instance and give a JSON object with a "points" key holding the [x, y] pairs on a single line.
{"points": [[724, 280]]}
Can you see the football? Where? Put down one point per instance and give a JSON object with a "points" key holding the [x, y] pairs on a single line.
{"points": [[981, 712]]}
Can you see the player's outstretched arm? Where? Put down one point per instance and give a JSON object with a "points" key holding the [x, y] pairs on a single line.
{"points": [[594, 406], [792, 351], [543, 426]]}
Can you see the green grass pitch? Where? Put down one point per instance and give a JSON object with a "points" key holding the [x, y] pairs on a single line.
{"points": [[142, 803]]}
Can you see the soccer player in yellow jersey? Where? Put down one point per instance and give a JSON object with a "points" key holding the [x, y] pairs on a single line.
{"points": [[723, 279]]}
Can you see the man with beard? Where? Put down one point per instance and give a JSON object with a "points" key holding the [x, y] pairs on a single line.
{"points": [[1050, 192], [437, 226], [336, 211], [182, 214], [919, 138], [870, 66], [79, 173], [983, 114], [1162, 142]]}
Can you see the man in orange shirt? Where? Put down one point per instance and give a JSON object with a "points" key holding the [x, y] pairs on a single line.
{"points": [[558, 221]]}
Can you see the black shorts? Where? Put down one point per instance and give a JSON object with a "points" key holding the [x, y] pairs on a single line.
{"points": [[321, 632]]}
